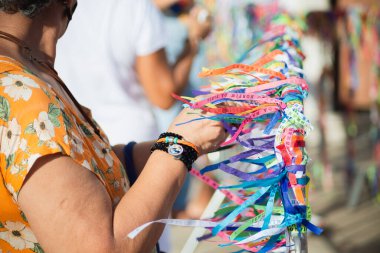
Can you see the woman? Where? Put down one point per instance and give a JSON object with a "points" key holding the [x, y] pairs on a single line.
{"points": [[64, 188]]}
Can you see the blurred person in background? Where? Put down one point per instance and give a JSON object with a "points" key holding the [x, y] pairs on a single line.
{"points": [[178, 17], [123, 57], [181, 19], [64, 187]]}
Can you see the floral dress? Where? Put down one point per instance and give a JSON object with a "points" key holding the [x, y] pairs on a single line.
{"points": [[35, 121]]}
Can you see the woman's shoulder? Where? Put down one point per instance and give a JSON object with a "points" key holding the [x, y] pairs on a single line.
{"points": [[18, 85], [30, 107]]}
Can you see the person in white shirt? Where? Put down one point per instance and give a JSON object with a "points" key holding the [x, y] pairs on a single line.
{"points": [[118, 67]]}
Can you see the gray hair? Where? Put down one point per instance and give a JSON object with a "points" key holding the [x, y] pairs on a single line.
{"points": [[27, 7]]}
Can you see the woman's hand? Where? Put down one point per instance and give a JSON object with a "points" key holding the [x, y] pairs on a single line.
{"points": [[206, 134]]}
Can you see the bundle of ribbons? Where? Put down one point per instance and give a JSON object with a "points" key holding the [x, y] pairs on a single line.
{"points": [[260, 102]]}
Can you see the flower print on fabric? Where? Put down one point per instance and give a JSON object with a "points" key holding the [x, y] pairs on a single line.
{"points": [[116, 185], [15, 169], [76, 144], [18, 235], [10, 137], [23, 145], [86, 164], [44, 127], [103, 152], [33, 158], [12, 191], [18, 86], [35, 122]]}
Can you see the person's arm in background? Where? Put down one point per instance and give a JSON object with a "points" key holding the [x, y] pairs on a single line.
{"points": [[158, 78], [164, 4]]}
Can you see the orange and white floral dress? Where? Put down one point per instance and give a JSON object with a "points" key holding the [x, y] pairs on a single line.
{"points": [[35, 121]]}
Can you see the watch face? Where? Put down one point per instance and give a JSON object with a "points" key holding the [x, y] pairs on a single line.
{"points": [[175, 150]]}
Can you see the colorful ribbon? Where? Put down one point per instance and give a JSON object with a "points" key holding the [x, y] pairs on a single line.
{"points": [[260, 102]]}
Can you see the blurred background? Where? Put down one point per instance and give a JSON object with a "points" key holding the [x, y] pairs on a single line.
{"points": [[342, 67]]}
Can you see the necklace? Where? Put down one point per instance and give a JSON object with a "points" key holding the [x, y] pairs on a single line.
{"points": [[27, 52]]}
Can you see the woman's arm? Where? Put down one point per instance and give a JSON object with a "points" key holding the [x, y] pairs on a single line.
{"points": [[140, 154], [69, 209]]}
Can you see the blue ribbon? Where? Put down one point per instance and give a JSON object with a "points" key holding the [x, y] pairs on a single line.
{"points": [[316, 230], [270, 244], [269, 207], [259, 183], [251, 200], [260, 161], [272, 123]]}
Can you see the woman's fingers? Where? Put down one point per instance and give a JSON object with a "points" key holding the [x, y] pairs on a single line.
{"points": [[206, 134]]}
